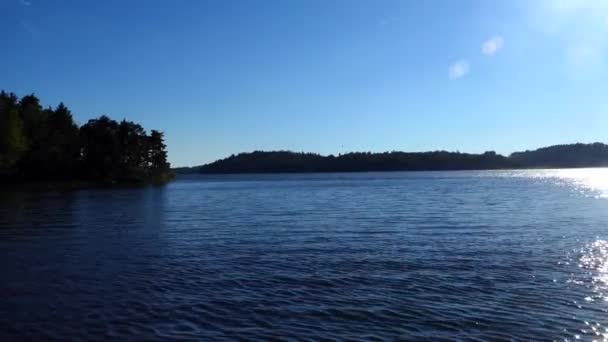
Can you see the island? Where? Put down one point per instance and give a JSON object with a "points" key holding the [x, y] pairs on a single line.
{"points": [[558, 156], [45, 145]]}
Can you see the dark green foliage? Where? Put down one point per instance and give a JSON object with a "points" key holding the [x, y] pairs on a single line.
{"points": [[12, 137], [100, 149], [46, 145], [575, 155], [285, 161], [53, 150], [64, 143]]}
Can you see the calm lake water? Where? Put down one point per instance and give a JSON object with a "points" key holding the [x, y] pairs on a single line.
{"points": [[430, 255]]}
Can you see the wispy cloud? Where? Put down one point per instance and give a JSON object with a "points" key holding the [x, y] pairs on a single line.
{"points": [[492, 45], [25, 2], [458, 69]]}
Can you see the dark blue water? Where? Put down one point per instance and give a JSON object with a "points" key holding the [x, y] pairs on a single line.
{"points": [[454, 255]]}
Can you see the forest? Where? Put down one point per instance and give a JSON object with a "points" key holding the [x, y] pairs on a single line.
{"points": [[558, 156], [567, 156], [45, 144], [286, 161]]}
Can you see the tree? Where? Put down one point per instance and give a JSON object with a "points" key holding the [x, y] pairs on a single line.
{"points": [[12, 138], [62, 145], [157, 155], [133, 141], [100, 149], [46, 144], [122, 152], [34, 163]]}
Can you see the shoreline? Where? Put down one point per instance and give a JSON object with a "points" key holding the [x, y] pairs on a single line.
{"points": [[178, 174]]}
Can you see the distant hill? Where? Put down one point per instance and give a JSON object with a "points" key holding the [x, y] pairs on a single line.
{"points": [[573, 155], [286, 161], [559, 156]]}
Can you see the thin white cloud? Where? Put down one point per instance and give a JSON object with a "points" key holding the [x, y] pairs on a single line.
{"points": [[458, 69], [492, 45], [25, 2]]}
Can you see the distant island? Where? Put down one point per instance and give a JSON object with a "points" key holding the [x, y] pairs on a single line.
{"points": [[558, 156], [46, 145]]}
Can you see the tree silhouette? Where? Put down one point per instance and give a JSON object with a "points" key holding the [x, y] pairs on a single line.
{"points": [[12, 138], [46, 144], [575, 155]]}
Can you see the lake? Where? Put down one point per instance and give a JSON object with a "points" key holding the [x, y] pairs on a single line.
{"points": [[406, 255]]}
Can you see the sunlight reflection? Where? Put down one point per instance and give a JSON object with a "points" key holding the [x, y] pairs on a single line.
{"points": [[590, 182], [594, 260]]}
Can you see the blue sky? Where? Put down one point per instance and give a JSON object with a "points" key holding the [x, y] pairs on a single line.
{"points": [[327, 76]]}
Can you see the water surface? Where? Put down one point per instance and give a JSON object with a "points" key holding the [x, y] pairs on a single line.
{"points": [[418, 255]]}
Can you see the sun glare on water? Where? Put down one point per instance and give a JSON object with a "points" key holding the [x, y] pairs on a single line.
{"points": [[594, 259], [595, 180], [590, 182]]}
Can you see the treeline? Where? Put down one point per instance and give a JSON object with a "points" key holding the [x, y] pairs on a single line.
{"points": [[285, 161], [575, 155], [45, 144]]}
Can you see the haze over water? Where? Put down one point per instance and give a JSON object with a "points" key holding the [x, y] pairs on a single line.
{"points": [[441, 255]]}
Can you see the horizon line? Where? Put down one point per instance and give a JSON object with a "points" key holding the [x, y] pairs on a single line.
{"points": [[387, 151]]}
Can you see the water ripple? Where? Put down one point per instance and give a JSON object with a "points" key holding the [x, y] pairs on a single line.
{"points": [[411, 256]]}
